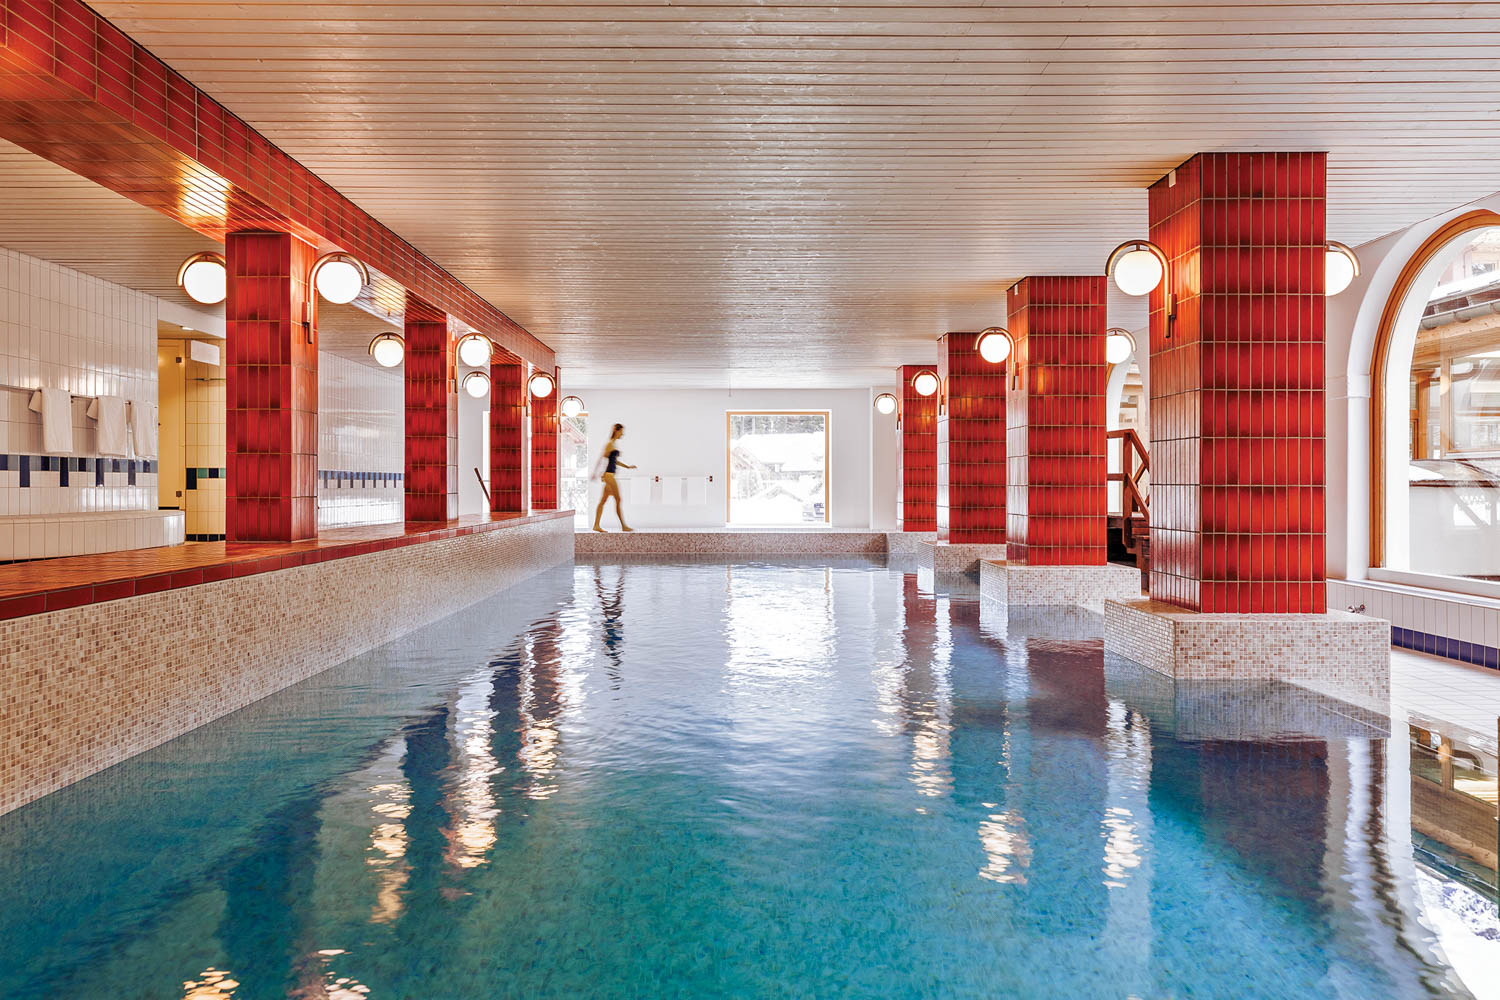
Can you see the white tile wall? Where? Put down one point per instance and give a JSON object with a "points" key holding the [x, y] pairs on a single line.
{"points": [[65, 329], [361, 428], [1454, 616]]}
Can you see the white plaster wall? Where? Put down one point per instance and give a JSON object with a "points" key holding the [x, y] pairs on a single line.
{"points": [[885, 465], [473, 448], [61, 328], [681, 432], [361, 413]]}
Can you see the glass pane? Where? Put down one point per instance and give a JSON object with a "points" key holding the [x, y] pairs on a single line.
{"points": [[1454, 482], [778, 468], [573, 466]]}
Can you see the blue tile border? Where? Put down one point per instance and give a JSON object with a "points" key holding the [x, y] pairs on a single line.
{"points": [[64, 466], [1439, 645]]}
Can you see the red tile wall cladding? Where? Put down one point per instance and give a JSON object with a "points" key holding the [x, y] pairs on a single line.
{"points": [[431, 414], [1237, 467], [970, 444], [916, 507], [544, 450], [271, 391], [1054, 418], [509, 459], [81, 93]]}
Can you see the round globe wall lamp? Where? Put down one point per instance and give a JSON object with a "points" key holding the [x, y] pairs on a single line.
{"points": [[1340, 267], [571, 406], [475, 350], [1119, 345], [542, 384], [339, 278], [1137, 267], [388, 350], [204, 278], [995, 344], [885, 403], [925, 382], [477, 384]]}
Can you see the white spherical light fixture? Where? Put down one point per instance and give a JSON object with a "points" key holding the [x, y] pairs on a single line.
{"points": [[388, 350], [1137, 267], [339, 278], [477, 384], [475, 350], [542, 384], [925, 383], [994, 345], [204, 278], [885, 403], [571, 406], [1340, 267], [1119, 345]]}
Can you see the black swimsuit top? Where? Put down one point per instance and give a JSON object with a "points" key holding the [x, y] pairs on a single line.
{"points": [[614, 457]]}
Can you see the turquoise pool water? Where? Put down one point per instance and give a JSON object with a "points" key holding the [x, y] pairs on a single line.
{"points": [[749, 780]]}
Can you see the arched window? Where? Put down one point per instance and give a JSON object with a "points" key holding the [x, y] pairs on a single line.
{"points": [[1435, 484]]}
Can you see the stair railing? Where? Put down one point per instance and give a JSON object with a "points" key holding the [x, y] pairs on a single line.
{"points": [[1134, 463]]}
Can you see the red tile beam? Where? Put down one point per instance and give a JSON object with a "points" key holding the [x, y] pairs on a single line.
{"points": [[916, 507], [271, 391], [509, 456], [1237, 467], [971, 444], [431, 414], [75, 90], [544, 420], [1056, 499]]}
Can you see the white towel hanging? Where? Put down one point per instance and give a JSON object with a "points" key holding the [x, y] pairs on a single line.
{"points": [[143, 423], [671, 491], [697, 491], [56, 408], [113, 431], [640, 489]]}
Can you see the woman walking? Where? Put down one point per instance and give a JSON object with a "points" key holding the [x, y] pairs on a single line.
{"points": [[612, 488]]}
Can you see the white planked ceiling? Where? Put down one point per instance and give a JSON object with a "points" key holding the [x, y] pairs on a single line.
{"points": [[782, 194]]}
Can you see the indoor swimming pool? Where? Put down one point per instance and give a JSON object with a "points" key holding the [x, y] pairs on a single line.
{"points": [[757, 779]]}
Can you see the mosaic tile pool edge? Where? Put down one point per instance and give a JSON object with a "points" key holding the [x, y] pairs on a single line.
{"points": [[91, 685]]}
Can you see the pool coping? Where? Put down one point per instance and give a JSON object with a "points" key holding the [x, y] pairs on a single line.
{"points": [[37, 587]]}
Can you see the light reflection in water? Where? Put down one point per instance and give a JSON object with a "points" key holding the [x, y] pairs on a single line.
{"points": [[211, 984], [471, 800], [390, 802], [1006, 847]]}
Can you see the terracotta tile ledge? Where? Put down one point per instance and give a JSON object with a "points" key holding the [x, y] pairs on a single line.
{"points": [[54, 584]]}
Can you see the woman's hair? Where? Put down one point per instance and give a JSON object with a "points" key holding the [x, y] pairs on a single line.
{"points": [[618, 429]]}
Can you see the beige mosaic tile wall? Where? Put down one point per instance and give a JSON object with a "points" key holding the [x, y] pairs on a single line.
{"points": [[88, 687], [735, 543], [1341, 654], [904, 544], [1089, 586], [947, 557]]}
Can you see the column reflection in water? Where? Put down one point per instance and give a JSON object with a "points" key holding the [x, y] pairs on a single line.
{"points": [[926, 689]]}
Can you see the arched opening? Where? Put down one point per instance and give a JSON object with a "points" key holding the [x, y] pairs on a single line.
{"points": [[1435, 471]]}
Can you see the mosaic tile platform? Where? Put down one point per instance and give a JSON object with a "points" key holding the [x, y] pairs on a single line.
{"points": [[906, 544], [735, 543], [1089, 586], [959, 557], [1338, 653]]}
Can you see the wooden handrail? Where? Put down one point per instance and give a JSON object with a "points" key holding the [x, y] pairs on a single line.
{"points": [[487, 500], [1134, 463]]}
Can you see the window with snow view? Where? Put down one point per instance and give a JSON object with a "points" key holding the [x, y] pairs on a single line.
{"points": [[778, 468]]}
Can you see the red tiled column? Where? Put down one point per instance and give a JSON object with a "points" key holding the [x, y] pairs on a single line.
{"points": [[271, 390], [916, 507], [431, 414], [544, 450], [1237, 475], [1054, 418], [970, 444], [509, 461]]}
